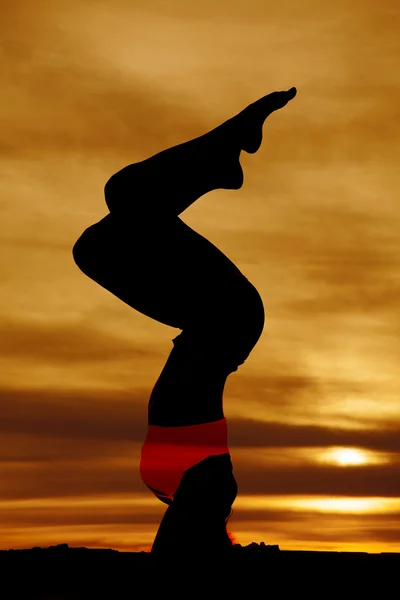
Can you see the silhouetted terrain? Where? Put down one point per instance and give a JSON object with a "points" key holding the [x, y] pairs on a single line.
{"points": [[60, 572]]}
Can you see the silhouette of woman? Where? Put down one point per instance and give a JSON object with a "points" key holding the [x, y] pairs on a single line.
{"points": [[144, 254]]}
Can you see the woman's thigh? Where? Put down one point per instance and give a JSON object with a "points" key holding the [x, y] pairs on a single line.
{"points": [[163, 269]]}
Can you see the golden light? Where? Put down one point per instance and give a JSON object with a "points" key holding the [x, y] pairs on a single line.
{"points": [[347, 505], [349, 456], [345, 457], [321, 504]]}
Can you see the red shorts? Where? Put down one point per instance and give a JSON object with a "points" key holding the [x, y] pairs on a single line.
{"points": [[169, 451]]}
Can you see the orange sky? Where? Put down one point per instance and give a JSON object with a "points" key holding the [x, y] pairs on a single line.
{"points": [[88, 87]]}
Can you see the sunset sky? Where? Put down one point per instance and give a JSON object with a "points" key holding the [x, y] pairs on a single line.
{"points": [[314, 414]]}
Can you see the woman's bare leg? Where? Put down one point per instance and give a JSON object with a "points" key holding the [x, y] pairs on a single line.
{"points": [[170, 181], [174, 275]]}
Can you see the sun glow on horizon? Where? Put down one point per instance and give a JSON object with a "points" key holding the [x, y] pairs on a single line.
{"points": [[322, 504], [351, 457]]}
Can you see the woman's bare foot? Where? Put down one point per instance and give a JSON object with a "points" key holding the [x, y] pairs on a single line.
{"points": [[247, 125], [243, 132], [251, 119]]}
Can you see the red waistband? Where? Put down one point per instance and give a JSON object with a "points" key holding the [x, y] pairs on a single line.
{"points": [[169, 451]]}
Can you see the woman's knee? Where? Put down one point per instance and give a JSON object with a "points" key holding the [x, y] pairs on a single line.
{"points": [[245, 321], [113, 190], [231, 332], [124, 190], [84, 252], [79, 251]]}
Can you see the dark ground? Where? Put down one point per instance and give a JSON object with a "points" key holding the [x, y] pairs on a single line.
{"points": [[63, 573]]}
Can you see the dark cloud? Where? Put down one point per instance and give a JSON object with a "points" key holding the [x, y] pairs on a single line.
{"points": [[64, 342], [31, 449], [384, 535], [73, 415], [247, 433], [306, 479], [270, 515], [68, 515], [71, 478], [120, 417]]}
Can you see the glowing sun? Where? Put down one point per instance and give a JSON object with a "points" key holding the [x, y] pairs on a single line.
{"points": [[347, 456]]}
